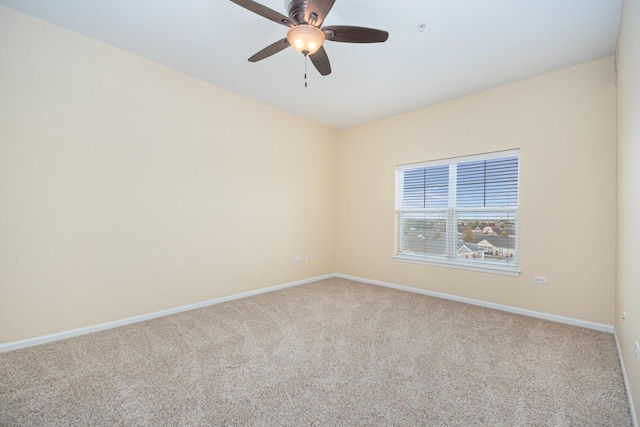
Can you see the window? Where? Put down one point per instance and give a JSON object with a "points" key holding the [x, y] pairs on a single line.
{"points": [[460, 212]]}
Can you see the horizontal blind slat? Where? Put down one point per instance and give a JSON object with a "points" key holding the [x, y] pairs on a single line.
{"points": [[426, 187], [487, 183]]}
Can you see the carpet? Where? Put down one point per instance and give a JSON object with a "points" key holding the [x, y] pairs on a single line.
{"points": [[333, 352]]}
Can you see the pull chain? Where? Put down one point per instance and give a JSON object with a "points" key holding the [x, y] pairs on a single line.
{"points": [[305, 70]]}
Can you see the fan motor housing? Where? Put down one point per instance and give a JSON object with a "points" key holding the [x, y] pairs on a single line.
{"points": [[297, 10]]}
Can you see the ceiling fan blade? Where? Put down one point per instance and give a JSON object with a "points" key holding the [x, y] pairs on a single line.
{"points": [[349, 34], [264, 11], [321, 61], [319, 8], [272, 49]]}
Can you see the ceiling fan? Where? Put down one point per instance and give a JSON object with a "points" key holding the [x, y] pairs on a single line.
{"points": [[306, 35]]}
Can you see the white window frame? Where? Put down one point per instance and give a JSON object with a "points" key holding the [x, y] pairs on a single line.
{"points": [[450, 259]]}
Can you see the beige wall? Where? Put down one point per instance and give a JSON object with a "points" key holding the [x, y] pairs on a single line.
{"points": [[564, 124], [127, 187], [628, 265]]}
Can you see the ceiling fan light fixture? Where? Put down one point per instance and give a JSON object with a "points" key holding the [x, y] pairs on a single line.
{"points": [[305, 39], [306, 34]]}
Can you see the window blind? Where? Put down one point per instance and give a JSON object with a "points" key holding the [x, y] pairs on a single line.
{"points": [[487, 183], [460, 212]]}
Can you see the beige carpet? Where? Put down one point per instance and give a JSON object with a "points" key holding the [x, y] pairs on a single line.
{"points": [[334, 352]]}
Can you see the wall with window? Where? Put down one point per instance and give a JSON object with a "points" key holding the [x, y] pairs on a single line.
{"points": [[628, 264], [128, 188], [564, 124]]}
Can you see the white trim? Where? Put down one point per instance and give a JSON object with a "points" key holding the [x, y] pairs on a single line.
{"points": [[634, 420], [114, 324], [507, 308], [462, 265], [452, 216], [117, 323], [122, 322]]}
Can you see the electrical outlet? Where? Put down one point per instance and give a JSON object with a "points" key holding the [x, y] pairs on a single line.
{"points": [[297, 259], [624, 315], [540, 280], [309, 257], [637, 351]]}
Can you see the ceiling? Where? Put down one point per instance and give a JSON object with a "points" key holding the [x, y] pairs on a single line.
{"points": [[467, 46]]}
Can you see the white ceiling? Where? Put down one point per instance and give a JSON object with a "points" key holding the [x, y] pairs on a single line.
{"points": [[467, 46]]}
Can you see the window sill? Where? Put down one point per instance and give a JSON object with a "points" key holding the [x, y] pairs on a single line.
{"points": [[461, 265]]}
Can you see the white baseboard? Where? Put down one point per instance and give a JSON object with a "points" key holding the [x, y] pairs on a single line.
{"points": [[116, 323], [634, 420], [552, 317]]}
